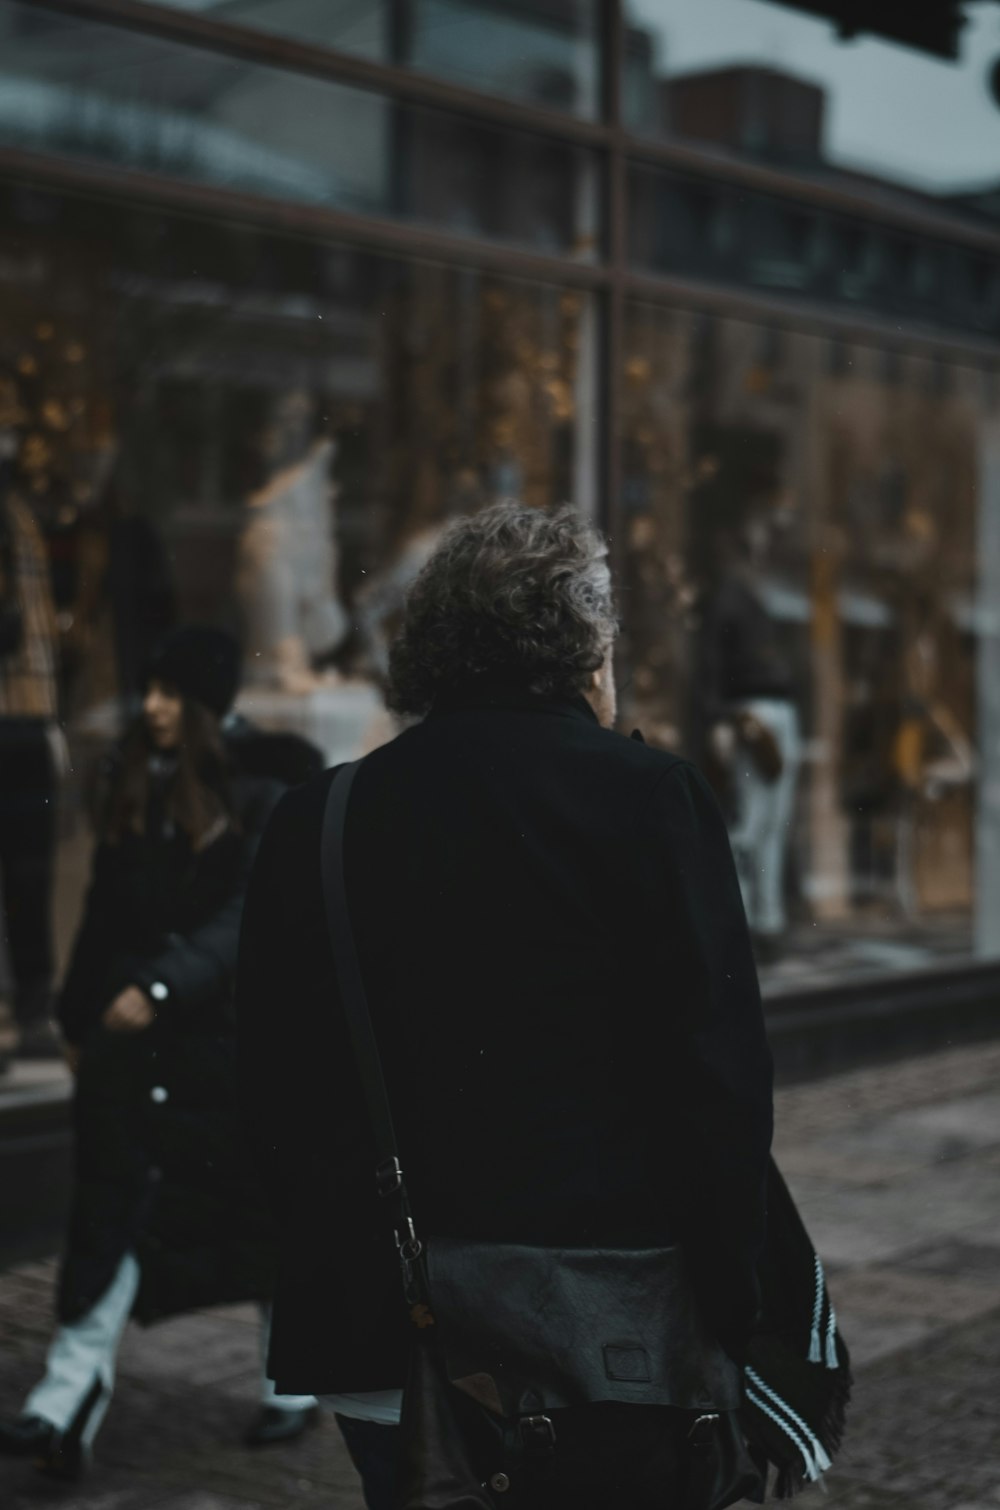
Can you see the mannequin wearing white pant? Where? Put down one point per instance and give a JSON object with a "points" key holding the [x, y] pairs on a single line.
{"points": [[75, 1392], [764, 809]]}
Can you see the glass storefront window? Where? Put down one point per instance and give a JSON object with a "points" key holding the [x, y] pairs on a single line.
{"points": [[781, 83], [231, 357], [539, 55], [803, 538], [216, 425], [213, 423], [124, 99]]}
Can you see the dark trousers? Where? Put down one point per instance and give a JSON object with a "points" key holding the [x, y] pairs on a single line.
{"points": [[27, 855], [373, 1452]]}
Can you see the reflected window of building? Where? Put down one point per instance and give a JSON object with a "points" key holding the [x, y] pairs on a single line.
{"points": [[824, 88], [128, 101], [722, 231], [542, 54]]}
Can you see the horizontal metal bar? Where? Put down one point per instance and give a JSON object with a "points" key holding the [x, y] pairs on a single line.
{"points": [[275, 51], [396, 238], [882, 203], [400, 239], [825, 319]]}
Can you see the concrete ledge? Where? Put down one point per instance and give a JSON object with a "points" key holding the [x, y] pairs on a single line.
{"points": [[881, 1018]]}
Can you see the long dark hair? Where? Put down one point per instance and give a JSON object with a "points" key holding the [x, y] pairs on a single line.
{"points": [[199, 796]]}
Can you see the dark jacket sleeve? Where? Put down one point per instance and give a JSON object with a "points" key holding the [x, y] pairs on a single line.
{"points": [[77, 1010], [199, 966], [196, 967], [717, 1082]]}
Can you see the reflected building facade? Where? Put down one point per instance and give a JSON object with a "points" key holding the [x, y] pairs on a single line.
{"points": [[286, 286]]}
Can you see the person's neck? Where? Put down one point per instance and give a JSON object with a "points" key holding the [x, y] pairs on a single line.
{"points": [[498, 692]]}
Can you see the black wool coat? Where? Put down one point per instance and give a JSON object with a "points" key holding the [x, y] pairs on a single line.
{"points": [[559, 971], [161, 1167]]}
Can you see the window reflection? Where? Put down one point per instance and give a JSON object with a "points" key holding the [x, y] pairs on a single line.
{"points": [[726, 232], [204, 424], [265, 428], [772, 81], [106, 95], [802, 531], [542, 55]]}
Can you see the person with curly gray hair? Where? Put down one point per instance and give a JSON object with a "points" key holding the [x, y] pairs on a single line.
{"points": [[551, 939], [514, 595]]}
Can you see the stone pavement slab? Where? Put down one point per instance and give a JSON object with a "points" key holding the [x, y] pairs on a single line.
{"points": [[897, 1172], [924, 1429]]}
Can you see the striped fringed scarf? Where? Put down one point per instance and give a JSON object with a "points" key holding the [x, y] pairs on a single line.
{"points": [[798, 1376]]}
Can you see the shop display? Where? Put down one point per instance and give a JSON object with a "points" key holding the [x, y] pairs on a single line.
{"points": [[854, 484]]}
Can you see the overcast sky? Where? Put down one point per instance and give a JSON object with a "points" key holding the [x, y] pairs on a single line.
{"points": [[891, 110]]}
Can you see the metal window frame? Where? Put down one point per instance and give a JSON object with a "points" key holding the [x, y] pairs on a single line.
{"points": [[276, 51], [610, 278], [607, 135]]}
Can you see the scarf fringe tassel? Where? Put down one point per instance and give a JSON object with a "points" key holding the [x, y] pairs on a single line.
{"points": [[791, 1476]]}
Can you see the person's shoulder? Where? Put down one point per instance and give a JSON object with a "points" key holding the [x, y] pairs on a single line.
{"points": [[279, 755], [289, 836], [657, 777], [633, 754], [300, 805], [255, 799], [633, 772]]}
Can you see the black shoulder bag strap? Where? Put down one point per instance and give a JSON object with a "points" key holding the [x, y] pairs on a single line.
{"points": [[388, 1171], [435, 1465]]}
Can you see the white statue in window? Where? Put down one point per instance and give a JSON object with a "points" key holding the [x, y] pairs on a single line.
{"points": [[287, 560]]}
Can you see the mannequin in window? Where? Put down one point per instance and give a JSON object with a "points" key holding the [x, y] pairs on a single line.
{"points": [[287, 558], [751, 712]]}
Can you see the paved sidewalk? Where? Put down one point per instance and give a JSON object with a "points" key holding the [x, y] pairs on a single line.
{"points": [[897, 1174], [896, 1171]]}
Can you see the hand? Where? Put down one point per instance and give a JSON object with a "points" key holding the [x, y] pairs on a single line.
{"points": [[130, 1012]]}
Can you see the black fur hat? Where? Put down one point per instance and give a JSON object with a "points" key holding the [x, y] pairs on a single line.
{"points": [[202, 663]]}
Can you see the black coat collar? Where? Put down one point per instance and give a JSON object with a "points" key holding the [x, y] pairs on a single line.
{"points": [[503, 695]]}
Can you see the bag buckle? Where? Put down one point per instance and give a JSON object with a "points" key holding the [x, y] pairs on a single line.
{"points": [[537, 1433], [388, 1176], [703, 1430], [409, 1245]]}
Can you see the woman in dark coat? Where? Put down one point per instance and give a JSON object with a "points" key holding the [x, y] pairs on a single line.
{"points": [[166, 1217]]}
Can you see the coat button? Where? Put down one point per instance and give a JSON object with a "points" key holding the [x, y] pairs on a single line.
{"points": [[500, 1482], [158, 991], [158, 1094]]}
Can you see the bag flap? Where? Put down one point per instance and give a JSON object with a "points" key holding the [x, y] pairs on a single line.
{"points": [[525, 1329]]}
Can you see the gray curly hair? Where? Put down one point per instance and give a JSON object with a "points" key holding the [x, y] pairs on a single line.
{"points": [[510, 593]]}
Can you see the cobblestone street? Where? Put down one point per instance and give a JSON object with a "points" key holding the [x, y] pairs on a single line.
{"points": [[897, 1172]]}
